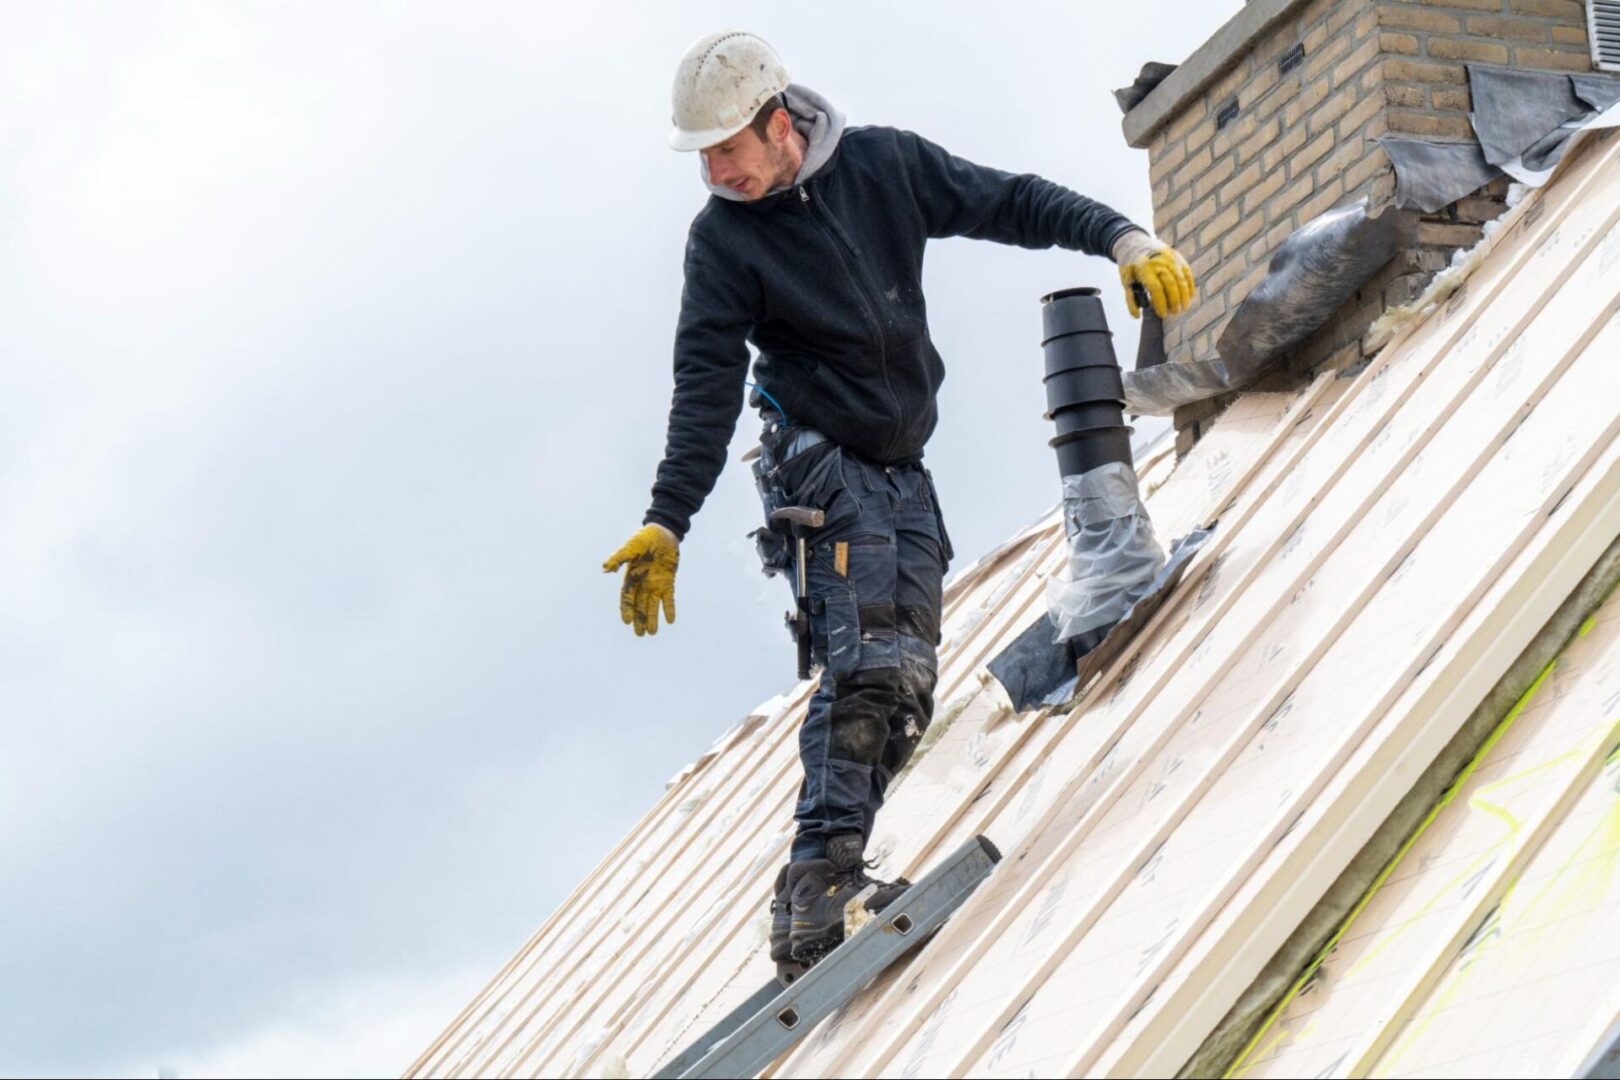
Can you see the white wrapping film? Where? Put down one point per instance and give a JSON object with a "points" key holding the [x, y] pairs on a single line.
{"points": [[1113, 554]]}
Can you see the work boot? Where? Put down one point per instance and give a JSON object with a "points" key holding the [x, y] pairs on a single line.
{"points": [[782, 917], [822, 888]]}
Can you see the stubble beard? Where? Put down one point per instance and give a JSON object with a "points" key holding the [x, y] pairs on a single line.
{"points": [[783, 165]]}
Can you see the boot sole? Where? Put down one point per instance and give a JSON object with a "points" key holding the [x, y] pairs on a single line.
{"points": [[811, 941], [811, 953]]}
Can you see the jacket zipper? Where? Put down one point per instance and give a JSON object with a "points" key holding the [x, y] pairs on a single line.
{"points": [[835, 237]]}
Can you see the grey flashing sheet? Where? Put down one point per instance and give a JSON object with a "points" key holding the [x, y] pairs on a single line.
{"points": [[1432, 175], [1520, 116], [1163, 388], [1523, 121]]}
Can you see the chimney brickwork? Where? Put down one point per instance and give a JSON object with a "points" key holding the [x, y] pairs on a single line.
{"points": [[1273, 122]]}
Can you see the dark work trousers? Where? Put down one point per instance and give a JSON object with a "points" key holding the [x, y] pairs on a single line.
{"points": [[875, 573]]}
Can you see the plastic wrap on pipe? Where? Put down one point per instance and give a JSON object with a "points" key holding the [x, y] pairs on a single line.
{"points": [[1036, 671], [1136, 619], [1314, 271], [1113, 554]]}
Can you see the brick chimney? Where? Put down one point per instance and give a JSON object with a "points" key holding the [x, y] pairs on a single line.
{"points": [[1273, 121]]}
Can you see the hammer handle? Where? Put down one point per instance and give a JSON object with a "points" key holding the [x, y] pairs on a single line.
{"points": [[804, 607], [804, 639]]}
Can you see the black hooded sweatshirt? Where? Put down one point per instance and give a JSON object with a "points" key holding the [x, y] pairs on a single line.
{"points": [[825, 279]]}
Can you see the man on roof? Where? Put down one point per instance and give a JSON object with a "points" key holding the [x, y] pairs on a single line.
{"points": [[810, 247]]}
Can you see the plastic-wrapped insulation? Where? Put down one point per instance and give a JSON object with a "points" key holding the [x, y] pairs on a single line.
{"points": [[1313, 272]]}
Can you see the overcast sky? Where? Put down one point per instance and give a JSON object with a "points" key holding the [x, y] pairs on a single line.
{"points": [[334, 358]]}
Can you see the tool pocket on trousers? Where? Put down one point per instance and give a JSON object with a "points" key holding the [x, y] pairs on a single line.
{"points": [[815, 479], [839, 633]]}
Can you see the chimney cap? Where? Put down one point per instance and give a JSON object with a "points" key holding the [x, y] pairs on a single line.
{"points": [[1203, 67]]}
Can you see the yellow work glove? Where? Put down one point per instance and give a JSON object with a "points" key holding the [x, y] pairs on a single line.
{"points": [[649, 579], [1159, 269]]}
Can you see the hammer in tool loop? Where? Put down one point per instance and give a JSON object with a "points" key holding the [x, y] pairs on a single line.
{"points": [[801, 519]]}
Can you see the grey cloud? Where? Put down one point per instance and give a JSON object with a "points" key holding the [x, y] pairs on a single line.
{"points": [[336, 356]]}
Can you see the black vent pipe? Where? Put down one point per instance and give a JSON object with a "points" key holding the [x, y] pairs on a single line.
{"points": [[1113, 556], [1085, 393]]}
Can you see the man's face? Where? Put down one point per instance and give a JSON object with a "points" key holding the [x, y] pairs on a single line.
{"points": [[749, 165]]}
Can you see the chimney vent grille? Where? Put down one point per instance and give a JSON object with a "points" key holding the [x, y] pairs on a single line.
{"points": [[1603, 28]]}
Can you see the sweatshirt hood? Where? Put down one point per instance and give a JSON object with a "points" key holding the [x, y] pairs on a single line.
{"points": [[816, 119]]}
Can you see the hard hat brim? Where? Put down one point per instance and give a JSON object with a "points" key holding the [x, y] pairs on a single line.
{"points": [[687, 141]]}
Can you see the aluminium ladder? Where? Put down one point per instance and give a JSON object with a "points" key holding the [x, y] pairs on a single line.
{"points": [[774, 1018]]}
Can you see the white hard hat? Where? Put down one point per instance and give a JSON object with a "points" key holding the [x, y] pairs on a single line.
{"points": [[723, 80]]}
